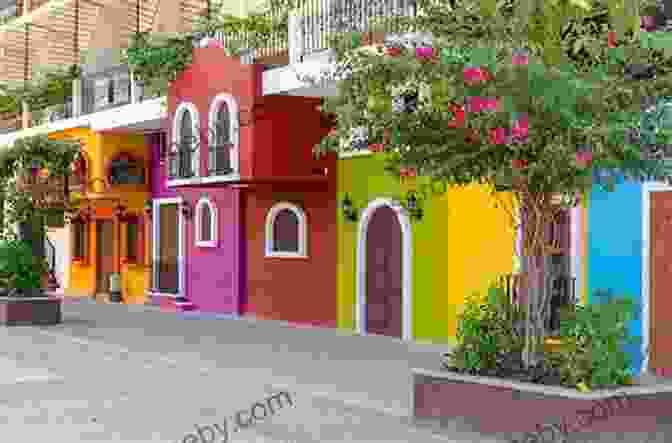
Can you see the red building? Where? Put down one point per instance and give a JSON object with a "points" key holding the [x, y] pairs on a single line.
{"points": [[254, 225]]}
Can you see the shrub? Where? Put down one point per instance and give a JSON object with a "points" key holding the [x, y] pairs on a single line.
{"points": [[19, 269], [595, 337], [489, 333]]}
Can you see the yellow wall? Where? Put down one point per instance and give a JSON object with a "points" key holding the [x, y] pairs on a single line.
{"points": [[101, 148], [462, 244], [480, 245]]}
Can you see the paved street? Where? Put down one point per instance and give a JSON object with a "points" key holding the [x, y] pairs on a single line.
{"points": [[133, 374]]}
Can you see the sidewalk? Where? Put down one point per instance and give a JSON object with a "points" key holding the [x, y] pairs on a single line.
{"points": [[132, 373]]}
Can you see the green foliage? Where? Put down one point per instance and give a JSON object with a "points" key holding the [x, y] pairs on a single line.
{"points": [[56, 156], [19, 269], [157, 59], [572, 97], [47, 87], [593, 338], [488, 331]]}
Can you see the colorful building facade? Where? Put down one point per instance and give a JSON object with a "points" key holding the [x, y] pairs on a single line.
{"points": [[407, 277], [108, 231], [241, 209]]}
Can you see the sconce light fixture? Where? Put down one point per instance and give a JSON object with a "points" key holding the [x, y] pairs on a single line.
{"points": [[349, 211], [412, 205], [119, 211], [186, 210], [148, 207]]}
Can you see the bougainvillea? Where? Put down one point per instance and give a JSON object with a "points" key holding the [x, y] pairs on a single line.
{"points": [[521, 102]]}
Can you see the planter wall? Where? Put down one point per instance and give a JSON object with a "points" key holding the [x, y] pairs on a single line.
{"points": [[498, 406], [30, 311]]}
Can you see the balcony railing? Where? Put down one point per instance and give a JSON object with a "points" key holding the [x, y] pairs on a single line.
{"points": [[106, 90], [9, 9], [563, 295], [310, 28], [166, 276], [181, 162]]}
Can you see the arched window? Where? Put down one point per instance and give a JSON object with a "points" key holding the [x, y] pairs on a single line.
{"points": [[223, 136], [183, 162], [206, 223], [286, 231], [126, 169]]}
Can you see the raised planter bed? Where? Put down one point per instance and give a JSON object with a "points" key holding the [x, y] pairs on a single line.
{"points": [[24, 311], [519, 409]]}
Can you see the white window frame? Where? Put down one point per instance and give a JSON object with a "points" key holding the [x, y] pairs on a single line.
{"points": [[234, 133], [195, 128], [303, 231], [212, 243]]}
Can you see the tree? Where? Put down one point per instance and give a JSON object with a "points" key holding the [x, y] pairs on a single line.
{"points": [[524, 96]]}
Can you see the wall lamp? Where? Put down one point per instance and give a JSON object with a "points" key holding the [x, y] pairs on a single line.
{"points": [[349, 210], [412, 205], [186, 210]]}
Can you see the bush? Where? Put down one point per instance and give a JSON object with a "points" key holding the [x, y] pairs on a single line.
{"points": [[595, 337], [18, 267], [489, 333]]}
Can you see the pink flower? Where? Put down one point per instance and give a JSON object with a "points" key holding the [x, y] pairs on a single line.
{"points": [[583, 158], [520, 128], [476, 75], [478, 104], [518, 163], [520, 59], [647, 23], [407, 172], [611, 39], [424, 52], [458, 116], [498, 136], [378, 147], [214, 43]]}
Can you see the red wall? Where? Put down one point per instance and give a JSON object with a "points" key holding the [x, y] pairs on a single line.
{"points": [[293, 289], [210, 74]]}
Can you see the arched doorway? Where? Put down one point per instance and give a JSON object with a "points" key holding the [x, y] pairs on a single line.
{"points": [[384, 271]]}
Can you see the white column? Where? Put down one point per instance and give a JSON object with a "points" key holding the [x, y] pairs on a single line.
{"points": [[296, 40], [77, 97]]}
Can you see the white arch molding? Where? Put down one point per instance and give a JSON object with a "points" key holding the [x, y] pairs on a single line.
{"points": [[234, 127], [406, 265], [195, 129]]}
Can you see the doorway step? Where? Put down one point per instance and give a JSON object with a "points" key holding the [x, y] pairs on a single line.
{"points": [[178, 304]]}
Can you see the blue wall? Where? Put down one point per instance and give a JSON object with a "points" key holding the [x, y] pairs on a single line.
{"points": [[615, 249]]}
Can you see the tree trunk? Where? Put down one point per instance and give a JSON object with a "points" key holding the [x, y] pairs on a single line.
{"points": [[538, 214]]}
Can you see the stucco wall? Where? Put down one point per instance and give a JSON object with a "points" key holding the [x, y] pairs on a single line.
{"points": [[459, 246], [615, 249]]}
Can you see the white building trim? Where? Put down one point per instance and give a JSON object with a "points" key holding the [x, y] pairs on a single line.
{"points": [[203, 203], [407, 263], [234, 132], [156, 220], [303, 231]]}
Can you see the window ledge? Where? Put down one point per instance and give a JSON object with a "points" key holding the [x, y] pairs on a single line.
{"points": [[206, 244], [203, 180], [285, 255]]}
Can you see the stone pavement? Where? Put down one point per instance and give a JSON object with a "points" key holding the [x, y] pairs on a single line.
{"points": [[119, 373]]}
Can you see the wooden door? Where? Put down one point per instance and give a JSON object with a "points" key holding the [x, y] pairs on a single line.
{"points": [[104, 254], [167, 269], [384, 274], [660, 346]]}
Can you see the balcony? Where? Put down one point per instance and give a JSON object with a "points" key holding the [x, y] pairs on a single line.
{"points": [[9, 9], [52, 113], [306, 35], [106, 90], [182, 162]]}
